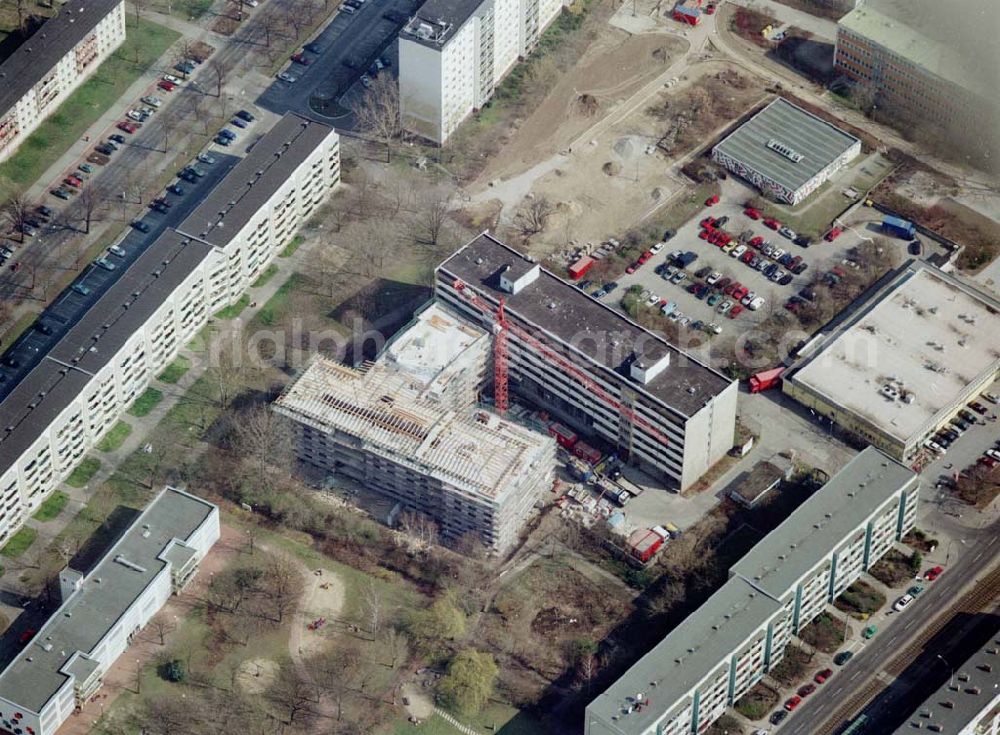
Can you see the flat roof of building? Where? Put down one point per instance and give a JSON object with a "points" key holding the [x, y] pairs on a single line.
{"points": [[925, 333], [108, 591], [430, 347], [760, 479], [795, 131], [253, 181], [86, 348], [968, 700], [437, 21], [606, 337], [34, 58], [818, 526], [902, 39], [472, 449], [694, 649]]}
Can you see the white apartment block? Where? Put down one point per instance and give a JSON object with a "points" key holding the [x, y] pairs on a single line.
{"points": [[453, 54], [60, 407], [722, 649], [65, 663], [408, 427], [53, 62], [686, 410]]}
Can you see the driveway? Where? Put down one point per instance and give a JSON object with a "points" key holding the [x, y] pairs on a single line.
{"points": [[822, 28]]}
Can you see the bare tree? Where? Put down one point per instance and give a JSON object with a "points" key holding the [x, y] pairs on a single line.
{"points": [[162, 626], [16, 212], [139, 6], [373, 607], [432, 216], [283, 585], [90, 200], [532, 217], [269, 24], [377, 112], [221, 72], [264, 438], [419, 526], [397, 645], [292, 693], [337, 672]]}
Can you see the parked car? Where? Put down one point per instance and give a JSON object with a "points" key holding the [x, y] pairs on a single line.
{"points": [[86, 168], [312, 48], [979, 408], [822, 676], [244, 115], [81, 289], [792, 702], [833, 234], [915, 590], [176, 190], [135, 115], [786, 231], [777, 717], [225, 142], [206, 158], [166, 86], [171, 78], [128, 127], [60, 193], [105, 264], [903, 602], [117, 250], [806, 689], [366, 81], [116, 138], [238, 122], [771, 223], [286, 77], [140, 225], [712, 200], [843, 657], [752, 213], [301, 58], [869, 632], [152, 101]]}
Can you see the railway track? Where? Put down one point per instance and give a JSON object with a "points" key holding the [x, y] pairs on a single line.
{"points": [[986, 591]]}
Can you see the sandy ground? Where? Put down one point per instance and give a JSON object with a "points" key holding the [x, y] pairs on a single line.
{"points": [[323, 597], [420, 705], [256, 675], [614, 66]]}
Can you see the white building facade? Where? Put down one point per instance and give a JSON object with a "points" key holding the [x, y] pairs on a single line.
{"points": [[453, 54], [65, 404], [53, 62], [721, 650], [65, 663]]}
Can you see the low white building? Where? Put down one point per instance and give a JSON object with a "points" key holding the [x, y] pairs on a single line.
{"points": [[55, 60], [65, 663], [453, 54], [59, 409]]}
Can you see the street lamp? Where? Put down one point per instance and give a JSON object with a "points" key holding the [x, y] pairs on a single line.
{"points": [[951, 680]]}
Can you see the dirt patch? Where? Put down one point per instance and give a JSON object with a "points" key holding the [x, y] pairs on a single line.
{"points": [[895, 569], [860, 600], [256, 675], [748, 23], [614, 66], [756, 703], [917, 539], [418, 704], [825, 633], [792, 667], [322, 600]]}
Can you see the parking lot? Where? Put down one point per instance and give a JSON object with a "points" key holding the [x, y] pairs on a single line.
{"points": [[70, 305], [347, 48], [712, 259]]}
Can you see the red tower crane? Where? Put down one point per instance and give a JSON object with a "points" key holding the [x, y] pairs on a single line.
{"points": [[502, 328]]}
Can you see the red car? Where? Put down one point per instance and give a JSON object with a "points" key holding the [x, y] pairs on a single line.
{"points": [[710, 10], [704, 234], [735, 311], [756, 242], [833, 234], [633, 268], [747, 256], [73, 181], [793, 702], [166, 86], [714, 199], [128, 127], [739, 290], [771, 223], [301, 58], [979, 408], [645, 256], [806, 689], [822, 676], [751, 213], [987, 462], [933, 573], [707, 222]]}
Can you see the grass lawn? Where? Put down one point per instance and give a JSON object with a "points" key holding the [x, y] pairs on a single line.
{"points": [[291, 247], [186, 9], [115, 437], [145, 43], [52, 506], [825, 633], [175, 370], [266, 276], [18, 328], [271, 312], [19, 543], [146, 402], [81, 475], [860, 600], [233, 310]]}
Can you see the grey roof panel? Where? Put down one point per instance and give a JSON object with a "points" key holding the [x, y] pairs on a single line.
{"points": [[694, 649], [819, 142], [34, 58], [820, 524], [605, 335], [107, 593]]}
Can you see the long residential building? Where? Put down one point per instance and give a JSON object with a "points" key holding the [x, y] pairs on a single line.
{"points": [[57, 58], [453, 54], [101, 612], [679, 415], [729, 643], [61, 407], [408, 427]]}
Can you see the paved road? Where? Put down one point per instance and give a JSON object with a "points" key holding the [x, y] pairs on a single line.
{"points": [[869, 661], [349, 45]]}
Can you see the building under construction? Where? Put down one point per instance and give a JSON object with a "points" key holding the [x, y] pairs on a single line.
{"points": [[407, 426], [591, 366]]}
